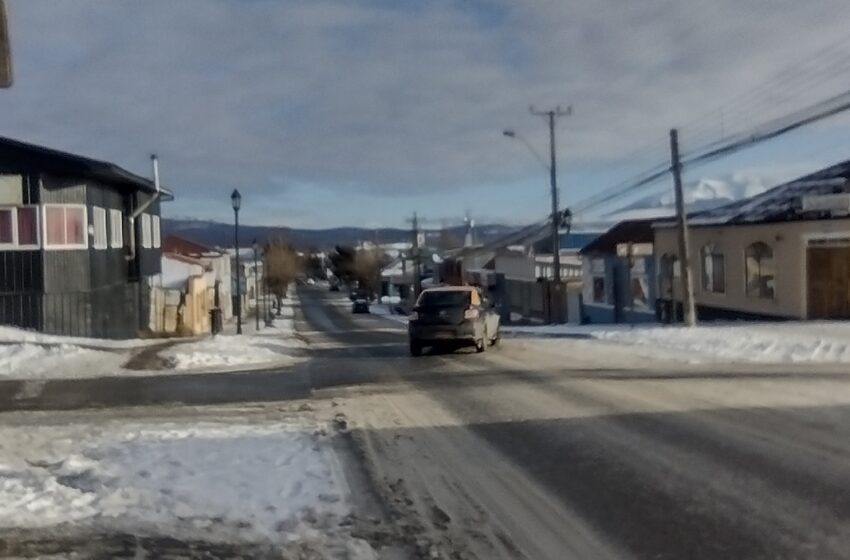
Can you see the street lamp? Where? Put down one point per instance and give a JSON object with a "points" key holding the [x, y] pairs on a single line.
{"points": [[256, 285], [236, 202], [556, 217]]}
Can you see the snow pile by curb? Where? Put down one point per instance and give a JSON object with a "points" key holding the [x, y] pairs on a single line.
{"points": [[16, 335], [275, 346], [218, 482], [740, 343], [36, 361], [788, 342], [225, 351]]}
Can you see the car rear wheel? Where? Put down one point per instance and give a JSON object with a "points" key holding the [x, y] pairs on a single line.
{"points": [[415, 349]]}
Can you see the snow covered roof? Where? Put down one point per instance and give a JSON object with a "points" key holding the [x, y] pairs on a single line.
{"points": [[779, 204]]}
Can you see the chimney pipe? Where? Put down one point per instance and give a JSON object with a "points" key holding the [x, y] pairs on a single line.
{"points": [[155, 162]]}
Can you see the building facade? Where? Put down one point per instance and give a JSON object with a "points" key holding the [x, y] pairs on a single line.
{"points": [[618, 275], [783, 254], [79, 243]]}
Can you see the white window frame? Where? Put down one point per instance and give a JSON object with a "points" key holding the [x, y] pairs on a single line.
{"points": [[155, 230], [14, 245], [100, 239], [116, 229], [66, 246], [146, 231]]}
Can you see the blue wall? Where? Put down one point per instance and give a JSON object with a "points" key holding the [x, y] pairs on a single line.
{"points": [[618, 294]]}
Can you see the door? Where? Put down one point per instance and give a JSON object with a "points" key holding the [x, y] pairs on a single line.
{"points": [[828, 275]]}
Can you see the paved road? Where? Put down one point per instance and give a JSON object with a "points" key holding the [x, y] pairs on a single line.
{"points": [[520, 453], [526, 452]]}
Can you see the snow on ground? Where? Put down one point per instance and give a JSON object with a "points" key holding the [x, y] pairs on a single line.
{"points": [[794, 341], [34, 361], [31, 355], [386, 311], [270, 346], [16, 335], [26, 354], [274, 482]]}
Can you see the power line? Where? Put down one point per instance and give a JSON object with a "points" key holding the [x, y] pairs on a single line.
{"points": [[767, 131]]}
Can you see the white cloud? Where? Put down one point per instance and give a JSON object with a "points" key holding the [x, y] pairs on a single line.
{"points": [[395, 98]]}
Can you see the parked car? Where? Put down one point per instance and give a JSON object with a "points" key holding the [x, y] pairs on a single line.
{"points": [[456, 315], [360, 306]]}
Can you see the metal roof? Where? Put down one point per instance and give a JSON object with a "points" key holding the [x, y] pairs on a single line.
{"points": [[780, 204], [48, 159]]}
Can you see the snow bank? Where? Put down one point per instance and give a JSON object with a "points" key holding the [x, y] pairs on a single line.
{"points": [[219, 482], [36, 361], [13, 334], [275, 346], [796, 342]]}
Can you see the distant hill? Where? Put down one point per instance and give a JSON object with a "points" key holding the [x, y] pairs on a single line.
{"points": [[221, 235]]}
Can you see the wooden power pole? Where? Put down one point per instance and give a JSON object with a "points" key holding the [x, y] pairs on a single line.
{"points": [[417, 254], [684, 241]]}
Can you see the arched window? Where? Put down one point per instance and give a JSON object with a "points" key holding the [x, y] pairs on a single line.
{"points": [[713, 269], [760, 270]]}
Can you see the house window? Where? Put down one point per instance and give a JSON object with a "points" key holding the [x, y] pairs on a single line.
{"points": [[7, 226], [157, 239], [116, 229], [65, 226], [713, 270], [146, 231], [760, 270], [99, 223], [19, 227]]}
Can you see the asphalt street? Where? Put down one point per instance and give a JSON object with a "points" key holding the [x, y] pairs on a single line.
{"points": [[670, 462], [527, 452]]}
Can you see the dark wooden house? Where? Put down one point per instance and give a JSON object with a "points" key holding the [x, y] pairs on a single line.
{"points": [[79, 242]]}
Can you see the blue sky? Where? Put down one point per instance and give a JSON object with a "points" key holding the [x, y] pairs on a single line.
{"points": [[338, 112]]}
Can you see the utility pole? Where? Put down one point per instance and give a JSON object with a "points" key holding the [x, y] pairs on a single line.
{"points": [[552, 115], [417, 278], [684, 241]]}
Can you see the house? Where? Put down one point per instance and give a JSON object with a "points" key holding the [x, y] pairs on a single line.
{"points": [[397, 278], [783, 254], [618, 275], [79, 243], [181, 302], [215, 260], [250, 278]]}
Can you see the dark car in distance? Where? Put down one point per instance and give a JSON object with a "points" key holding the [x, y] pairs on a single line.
{"points": [[360, 305], [452, 315]]}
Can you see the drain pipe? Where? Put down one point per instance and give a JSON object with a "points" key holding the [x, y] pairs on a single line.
{"points": [[138, 212]]}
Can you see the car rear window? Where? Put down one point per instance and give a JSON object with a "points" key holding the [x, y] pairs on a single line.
{"points": [[444, 299]]}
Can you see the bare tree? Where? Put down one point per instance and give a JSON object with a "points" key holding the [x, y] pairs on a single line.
{"points": [[282, 266]]}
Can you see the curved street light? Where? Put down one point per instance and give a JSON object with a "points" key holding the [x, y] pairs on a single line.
{"points": [[512, 134]]}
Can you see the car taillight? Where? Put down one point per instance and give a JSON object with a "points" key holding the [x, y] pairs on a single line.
{"points": [[413, 316], [470, 314]]}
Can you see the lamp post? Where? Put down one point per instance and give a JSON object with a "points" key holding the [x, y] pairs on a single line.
{"points": [[236, 202], [556, 217], [256, 285]]}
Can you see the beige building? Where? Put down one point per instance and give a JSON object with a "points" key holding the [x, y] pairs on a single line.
{"points": [[795, 270], [782, 254]]}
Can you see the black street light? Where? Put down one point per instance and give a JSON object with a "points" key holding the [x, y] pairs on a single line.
{"points": [[236, 202], [256, 285]]}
